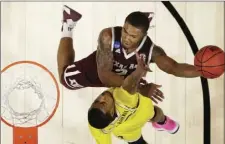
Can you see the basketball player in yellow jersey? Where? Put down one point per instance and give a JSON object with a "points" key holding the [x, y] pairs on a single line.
{"points": [[123, 111]]}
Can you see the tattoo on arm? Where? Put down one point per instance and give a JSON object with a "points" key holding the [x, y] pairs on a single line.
{"points": [[104, 60], [104, 53]]}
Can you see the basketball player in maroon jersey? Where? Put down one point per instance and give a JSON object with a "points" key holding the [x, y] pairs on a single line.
{"points": [[114, 58]]}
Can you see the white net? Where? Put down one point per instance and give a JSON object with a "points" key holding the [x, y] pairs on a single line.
{"points": [[24, 102]]}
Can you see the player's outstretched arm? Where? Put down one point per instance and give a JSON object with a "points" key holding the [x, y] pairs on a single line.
{"points": [[131, 83], [104, 58], [170, 66]]}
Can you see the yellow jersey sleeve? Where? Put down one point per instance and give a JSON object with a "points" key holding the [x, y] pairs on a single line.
{"points": [[122, 96], [99, 136]]}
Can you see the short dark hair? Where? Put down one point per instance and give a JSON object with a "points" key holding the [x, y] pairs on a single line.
{"points": [[98, 119], [138, 19]]}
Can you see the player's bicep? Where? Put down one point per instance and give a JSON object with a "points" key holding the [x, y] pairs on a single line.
{"points": [[164, 62], [104, 56]]}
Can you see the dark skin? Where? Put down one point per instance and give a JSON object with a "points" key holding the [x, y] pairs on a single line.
{"points": [[104, 57], [65, 55], [170, 66], [130, 84], [105, 102], [131, 38]]}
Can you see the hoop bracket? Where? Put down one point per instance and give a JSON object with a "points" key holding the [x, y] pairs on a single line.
{"points": [[23, 135]]}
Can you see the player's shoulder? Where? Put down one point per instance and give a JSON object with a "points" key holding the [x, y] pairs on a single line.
{"points": [[107, 32], [115, 90], [110, 90], [105, 37], [118, 91], [158, 51]]}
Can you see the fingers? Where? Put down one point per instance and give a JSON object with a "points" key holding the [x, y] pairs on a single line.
{"points": [[137, 56], [158, 98], [155, 101], [158, 93], [148, 69], [145, 73], [158, 86], [143, 81], [141, 62]]}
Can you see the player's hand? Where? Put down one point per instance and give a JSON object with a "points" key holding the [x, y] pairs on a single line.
{"points": [[141, 65], [143, 82], [152, 91]]}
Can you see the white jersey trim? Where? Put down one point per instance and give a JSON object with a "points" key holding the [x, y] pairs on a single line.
{"points": [[127, 56], [113, 38], [72, 83], [150, 53]]}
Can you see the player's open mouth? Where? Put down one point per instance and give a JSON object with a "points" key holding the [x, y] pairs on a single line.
{"points": [[125, 43]]}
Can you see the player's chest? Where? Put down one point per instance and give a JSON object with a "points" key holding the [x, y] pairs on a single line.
{"points": [[122, 116], [122, 67], [124, 64]]}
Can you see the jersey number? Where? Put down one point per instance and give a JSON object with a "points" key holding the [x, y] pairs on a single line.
{"points": [[121, 71]]}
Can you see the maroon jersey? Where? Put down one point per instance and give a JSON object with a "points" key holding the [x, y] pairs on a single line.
{"points": [[83, 73], [124, 64]]}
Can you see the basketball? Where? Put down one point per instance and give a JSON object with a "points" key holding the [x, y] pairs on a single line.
{"points": [[209, 60]]}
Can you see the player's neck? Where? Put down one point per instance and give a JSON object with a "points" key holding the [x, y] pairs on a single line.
{"points": [[130, 50]]}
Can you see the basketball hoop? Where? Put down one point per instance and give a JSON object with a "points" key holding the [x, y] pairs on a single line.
{"points": [[25, 124]]}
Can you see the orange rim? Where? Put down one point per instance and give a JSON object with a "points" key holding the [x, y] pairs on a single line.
{"points": [[51, 75]]}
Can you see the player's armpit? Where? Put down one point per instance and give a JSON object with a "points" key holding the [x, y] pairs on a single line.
{"points": [[104, 59], [170, 66]]}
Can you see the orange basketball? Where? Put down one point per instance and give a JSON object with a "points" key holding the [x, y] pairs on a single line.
{"points": [[210, 61]]}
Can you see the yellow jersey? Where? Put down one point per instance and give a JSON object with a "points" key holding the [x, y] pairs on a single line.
{"points": [[133, 111]]}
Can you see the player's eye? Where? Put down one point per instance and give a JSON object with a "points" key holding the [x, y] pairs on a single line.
{"points": [[103, 104], [124, 30], [96, 101]]}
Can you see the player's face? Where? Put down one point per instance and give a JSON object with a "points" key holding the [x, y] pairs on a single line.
{"points": [[131, 36], [105, 102]]}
